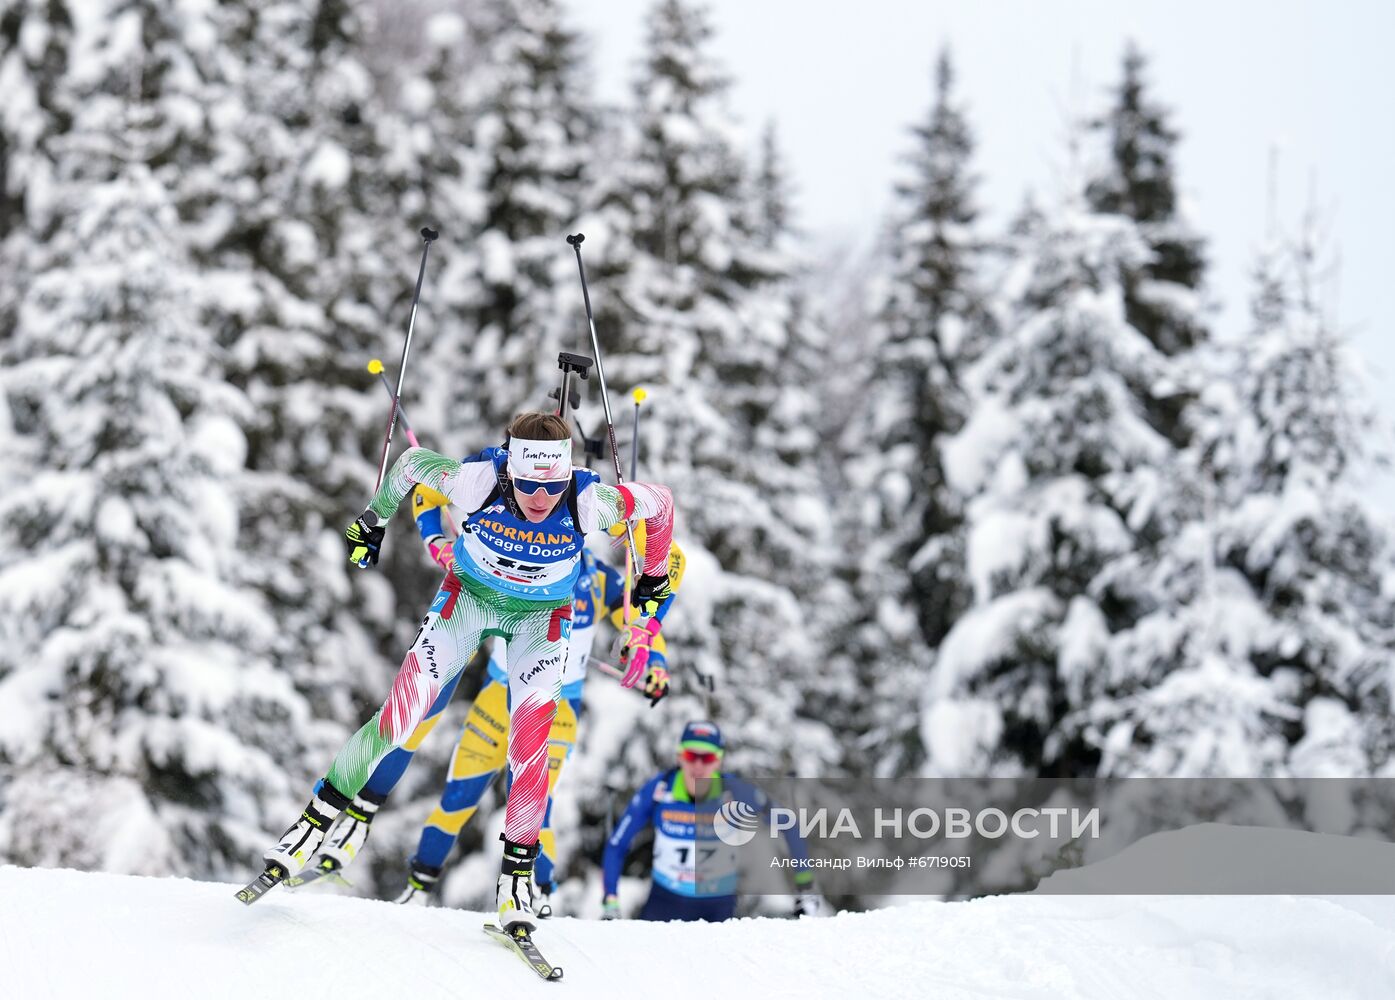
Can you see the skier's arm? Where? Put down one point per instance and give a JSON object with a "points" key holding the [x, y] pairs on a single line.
{"points": [[638, 815], [601, 506], [428, 506], [799, 853], [794, 843], [610, 586], [465, 484], [677, 566]]}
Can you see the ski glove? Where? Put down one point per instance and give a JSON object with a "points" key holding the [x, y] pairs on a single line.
{"points": [[655, 685], [610, 908], [650, 592], [365, 537], [634, 645], [440, 548]]}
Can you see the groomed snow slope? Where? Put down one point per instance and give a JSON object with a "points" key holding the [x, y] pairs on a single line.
{"points": [[71, 934]]}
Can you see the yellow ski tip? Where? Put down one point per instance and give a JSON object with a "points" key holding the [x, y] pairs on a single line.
{"points": [[639, 396], [375, 366]]}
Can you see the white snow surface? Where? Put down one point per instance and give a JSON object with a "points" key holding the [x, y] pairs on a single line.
{"points": [[154, 938]]}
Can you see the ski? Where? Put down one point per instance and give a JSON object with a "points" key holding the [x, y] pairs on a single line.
{"points": [[328, 868], [258, 887], [520, 942]]}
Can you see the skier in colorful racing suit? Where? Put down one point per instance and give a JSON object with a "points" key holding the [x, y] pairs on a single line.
{"points": [[516, 564], [479, 755]]}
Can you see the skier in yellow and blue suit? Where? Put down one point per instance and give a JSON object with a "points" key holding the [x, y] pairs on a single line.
{"points": [[480, 754]]}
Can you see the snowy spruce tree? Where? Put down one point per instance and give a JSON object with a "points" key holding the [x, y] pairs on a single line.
{"points": [[772, 193], [1233, 665], [300, 233], [425, 128], [298, 255], [1064, 474], [1136, 178], [905, 563], [1280, 661], [147, 727], [35, 40], [1080, 499], [778, 390], [434, 179], [510, 279]]}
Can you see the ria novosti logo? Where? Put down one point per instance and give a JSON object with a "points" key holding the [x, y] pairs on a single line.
{"points": [[735, 823]]}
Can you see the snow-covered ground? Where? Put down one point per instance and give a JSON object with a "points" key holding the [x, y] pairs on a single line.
{"points": [[71, 934]]}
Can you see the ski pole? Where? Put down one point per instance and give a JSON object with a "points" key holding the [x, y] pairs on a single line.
{"points": [[428, 235], [634, 474], [639, 396], [706, 685], [376, 367], [575, 242], [609, 669]]}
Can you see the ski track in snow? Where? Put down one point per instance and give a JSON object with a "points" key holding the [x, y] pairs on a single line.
{"points": [[71, 934]]}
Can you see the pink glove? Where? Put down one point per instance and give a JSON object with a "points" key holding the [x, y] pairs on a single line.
{"points": [[440, 548], [636, 640]]}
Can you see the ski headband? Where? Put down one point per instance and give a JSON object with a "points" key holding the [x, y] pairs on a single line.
{"points": [[547, 461]]}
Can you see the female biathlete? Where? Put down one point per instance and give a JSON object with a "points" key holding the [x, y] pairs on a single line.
{"points": [[516, 564]]}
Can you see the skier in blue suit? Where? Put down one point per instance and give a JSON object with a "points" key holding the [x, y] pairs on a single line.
{"points": [[695, 873]]}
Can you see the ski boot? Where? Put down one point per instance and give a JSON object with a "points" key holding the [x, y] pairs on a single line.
{"points": [[421, 886], [544, 907], [513, 894], [350, 833], [303, 837]]}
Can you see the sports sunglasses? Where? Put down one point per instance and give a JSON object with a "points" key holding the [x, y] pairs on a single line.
{"points": [[553, 488]]}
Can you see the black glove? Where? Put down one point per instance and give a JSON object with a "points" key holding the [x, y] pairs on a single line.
{"points": [[655, 685], [650, 592], [365, 537]]}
